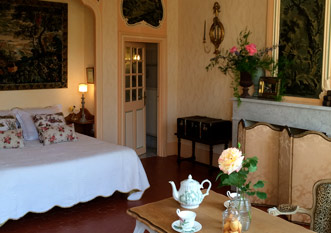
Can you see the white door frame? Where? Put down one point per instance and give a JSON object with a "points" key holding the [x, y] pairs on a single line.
{"points": [[161, 91]]}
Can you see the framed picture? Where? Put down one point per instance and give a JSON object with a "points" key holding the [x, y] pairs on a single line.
{"points": [[90, 75], [33, 44], [269, 87], [308, 74], [149, 11]]}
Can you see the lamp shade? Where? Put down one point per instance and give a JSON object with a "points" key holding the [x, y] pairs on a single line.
{"points": [[82, 87]]}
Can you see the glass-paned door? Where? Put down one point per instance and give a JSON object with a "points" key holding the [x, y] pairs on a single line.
{"points": [[134, 97]]}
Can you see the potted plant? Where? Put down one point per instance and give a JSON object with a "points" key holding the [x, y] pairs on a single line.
{"points": [[243, 61]]}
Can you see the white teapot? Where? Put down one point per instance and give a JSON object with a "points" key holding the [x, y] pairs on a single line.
{"points": [[189, 195]]}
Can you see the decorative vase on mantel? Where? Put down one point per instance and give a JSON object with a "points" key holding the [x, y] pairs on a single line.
{"points": [[245, 82]]}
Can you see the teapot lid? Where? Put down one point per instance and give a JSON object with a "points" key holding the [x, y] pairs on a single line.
{"points": [[190, 181]]}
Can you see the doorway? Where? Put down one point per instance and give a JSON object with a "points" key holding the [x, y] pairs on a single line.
{"points": [[140, 82], [151, 98]]}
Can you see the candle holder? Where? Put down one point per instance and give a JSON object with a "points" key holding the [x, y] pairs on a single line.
{"points": [[205, 46]]}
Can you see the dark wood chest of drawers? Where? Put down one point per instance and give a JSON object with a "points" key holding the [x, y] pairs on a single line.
{"points": [[204, 129]]}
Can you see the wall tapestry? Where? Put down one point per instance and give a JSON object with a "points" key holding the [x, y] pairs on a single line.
{"points": [[150, 11], [301, 40], [33, 45]]}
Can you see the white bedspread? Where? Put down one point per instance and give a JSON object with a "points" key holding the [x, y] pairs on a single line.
{"points": [[37, 178]]}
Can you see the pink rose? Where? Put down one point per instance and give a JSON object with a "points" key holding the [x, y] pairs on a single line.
{"points": [[233, 49], [251, 49]]}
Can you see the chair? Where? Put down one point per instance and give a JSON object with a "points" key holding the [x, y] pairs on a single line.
{"points": [[320, 213]]}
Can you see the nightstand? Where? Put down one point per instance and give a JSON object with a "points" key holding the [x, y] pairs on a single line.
{"points": [[82, 127]]}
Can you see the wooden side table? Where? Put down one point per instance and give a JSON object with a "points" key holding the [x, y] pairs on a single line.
{"points": [[82, 127]]}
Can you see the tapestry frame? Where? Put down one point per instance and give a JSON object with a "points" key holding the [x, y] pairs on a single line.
{"points": [[273, 31], [151, 14], [33, 45]]}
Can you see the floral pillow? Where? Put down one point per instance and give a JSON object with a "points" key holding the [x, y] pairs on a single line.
{"points": [[11, 139], [24, 117], [55, 134], [7, 122], [41, 120]]}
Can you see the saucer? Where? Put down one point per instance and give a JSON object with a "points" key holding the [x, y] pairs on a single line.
{"points": [[176, 226]]}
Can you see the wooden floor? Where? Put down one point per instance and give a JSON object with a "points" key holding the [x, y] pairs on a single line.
{"points": [[108, 215]]}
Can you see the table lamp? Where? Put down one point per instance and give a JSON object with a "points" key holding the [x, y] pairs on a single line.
{"points": [[83, 88]]}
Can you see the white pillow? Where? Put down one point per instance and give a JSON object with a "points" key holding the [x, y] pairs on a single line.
{"points": [[24, 117]]}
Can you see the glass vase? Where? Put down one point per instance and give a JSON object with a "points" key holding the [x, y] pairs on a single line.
{"points": [[243, 205], [231, 219]]}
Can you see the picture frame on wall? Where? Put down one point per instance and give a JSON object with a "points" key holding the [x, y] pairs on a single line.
{"points": [[90, 75], [149, 12], [34, 45], [269, 87]]}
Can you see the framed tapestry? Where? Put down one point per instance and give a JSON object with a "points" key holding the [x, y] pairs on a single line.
{"points": [[149, 11], [301, 29], [33, 44]]}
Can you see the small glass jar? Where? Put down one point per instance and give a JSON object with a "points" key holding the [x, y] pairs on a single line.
{"points": [[231, 219]]}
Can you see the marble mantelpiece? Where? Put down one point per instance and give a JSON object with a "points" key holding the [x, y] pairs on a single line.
{"points": [[301, 116]]}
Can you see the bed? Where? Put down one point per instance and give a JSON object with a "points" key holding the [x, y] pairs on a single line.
{"points": [[36, 178]]}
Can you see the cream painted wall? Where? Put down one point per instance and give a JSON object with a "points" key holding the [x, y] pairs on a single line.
{"points": [[110, 74], [89, 58], [190, 89], [209, 93], [172, 70], [76, 70]]}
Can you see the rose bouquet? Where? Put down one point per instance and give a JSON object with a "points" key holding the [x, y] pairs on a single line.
{"points": [[234, 171], [244, 57]]}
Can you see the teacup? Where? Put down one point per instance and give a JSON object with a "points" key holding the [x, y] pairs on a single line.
{"points": [[232, 195], [186, 218]]}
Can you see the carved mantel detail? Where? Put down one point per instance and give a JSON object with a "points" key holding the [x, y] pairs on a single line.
{"points": [[299, 116]]}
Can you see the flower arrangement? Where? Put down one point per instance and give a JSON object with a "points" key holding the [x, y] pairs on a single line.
{"points": [[234, 171], [244, 58]]}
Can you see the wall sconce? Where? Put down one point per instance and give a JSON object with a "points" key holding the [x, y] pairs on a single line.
{"points": [[216, 32], [82, 88]]}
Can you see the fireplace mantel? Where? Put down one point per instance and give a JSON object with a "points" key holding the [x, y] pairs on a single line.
{"points": [[301, 116]]}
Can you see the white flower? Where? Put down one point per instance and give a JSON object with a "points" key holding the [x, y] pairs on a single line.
{"points": [[230, 160]]}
